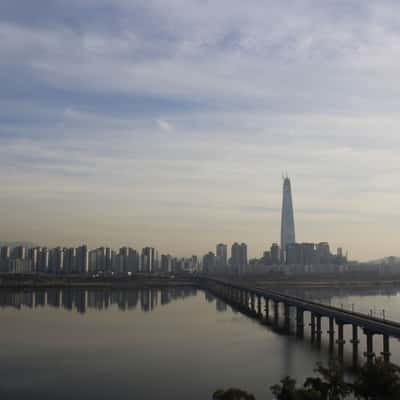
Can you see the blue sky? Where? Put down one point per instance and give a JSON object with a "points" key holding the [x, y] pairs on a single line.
{"points": [[169, 122]]}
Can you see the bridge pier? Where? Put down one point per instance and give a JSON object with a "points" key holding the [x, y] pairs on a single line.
{"points": [[276, 313], [318, 330], [300, 323], [369, 354], [312, 325], [331, 333], [253, 302], [386, 352], [340, 342], [355, 343], [286, 311], [259, 311], [266, 310]]}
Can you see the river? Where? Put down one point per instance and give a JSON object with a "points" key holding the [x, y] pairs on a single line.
{"points": [[173, 343]]}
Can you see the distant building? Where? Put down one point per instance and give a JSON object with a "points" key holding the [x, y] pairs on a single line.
{"points": [[82, 259], [323, 253], [70, 260], [5, 253], [33, 256], [209, 262], [148, 259], [166, 263], [19, 266], [275, 253], [293, 254], [222, 254], [43, 260], [308, 255], [239, 257], [19, 252], [108, 259], [56, 260], [287, 219]]}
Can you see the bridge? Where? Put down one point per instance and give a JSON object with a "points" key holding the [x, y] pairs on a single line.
{"points": [[258, 301]]}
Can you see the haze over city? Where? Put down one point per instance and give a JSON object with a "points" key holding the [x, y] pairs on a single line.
{"points": [[170, 123]]}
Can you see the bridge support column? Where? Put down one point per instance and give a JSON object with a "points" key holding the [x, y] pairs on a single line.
{"points": [[340, 340], [355, 343], [287, 316], [299, 323], [312, 325], [266, 310], [386, 352], [259, 305], [253, 302], [246, 299], [276, 313], [369, 354], [318, 330], [331, 333]]}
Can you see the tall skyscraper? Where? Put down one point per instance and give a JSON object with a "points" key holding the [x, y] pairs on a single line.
{"points": [[287, 222]]}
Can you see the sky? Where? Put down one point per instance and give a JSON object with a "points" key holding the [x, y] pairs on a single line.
{"points": [[170, 122]]}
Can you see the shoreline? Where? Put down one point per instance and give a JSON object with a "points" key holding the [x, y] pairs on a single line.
{"points": [[145, 281]]}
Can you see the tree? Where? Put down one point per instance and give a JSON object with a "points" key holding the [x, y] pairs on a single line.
{"points": [[232, 394], [377, 381], [330, 384], [286, 390]]}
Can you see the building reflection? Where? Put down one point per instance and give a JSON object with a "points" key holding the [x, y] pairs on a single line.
{"points": [[81, 299]]}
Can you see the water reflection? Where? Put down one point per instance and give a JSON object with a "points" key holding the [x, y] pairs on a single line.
{"points": [[324, 294], [81, 299]]}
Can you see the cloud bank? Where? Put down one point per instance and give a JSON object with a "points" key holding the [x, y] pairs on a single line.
{"points": [[169, 122]]}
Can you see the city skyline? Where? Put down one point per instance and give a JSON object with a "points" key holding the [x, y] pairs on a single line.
{"points": [[169, 123]]}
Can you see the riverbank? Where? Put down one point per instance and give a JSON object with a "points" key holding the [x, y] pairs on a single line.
{"points": [[151, 280], [44, 281]]}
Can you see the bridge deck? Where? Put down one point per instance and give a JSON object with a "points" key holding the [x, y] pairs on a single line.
{"points": [[367, 322]]}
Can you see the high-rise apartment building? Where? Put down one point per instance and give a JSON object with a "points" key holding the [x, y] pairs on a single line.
{"points": [[166, 263], [222, 254], [287, 221], [275, 254], [239, 257], [5, 253], [209, 262], [148, 259], [70, 260], [43, 262], [33, 256], [19, 252], [82, 259]]}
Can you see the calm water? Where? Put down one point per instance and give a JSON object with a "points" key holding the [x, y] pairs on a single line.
{"points": [[151, 344]]}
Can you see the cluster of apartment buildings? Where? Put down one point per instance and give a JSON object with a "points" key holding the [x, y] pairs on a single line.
{"points": [[219, 261], [81, 260]]}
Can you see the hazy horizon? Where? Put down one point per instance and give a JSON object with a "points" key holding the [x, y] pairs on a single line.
{"points": [[169, 123]]}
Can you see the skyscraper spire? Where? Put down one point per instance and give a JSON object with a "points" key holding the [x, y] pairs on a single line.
{"points": [[287, 222]]}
